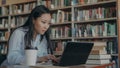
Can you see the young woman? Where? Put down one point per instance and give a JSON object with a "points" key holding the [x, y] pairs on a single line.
{"points": [[33, 34]]}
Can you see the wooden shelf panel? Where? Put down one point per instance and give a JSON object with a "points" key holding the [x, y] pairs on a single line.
{"points": [[64, 38], [3, 41], [3, 28], [23, 1], [4, 5], [13, 27], [97, 20], [69, 38], [101, 37], [9, 2], [2, 16]]}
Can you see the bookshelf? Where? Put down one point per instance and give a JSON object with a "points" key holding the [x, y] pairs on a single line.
{"points": [[83, 17], [12, 14], [72, 20]]}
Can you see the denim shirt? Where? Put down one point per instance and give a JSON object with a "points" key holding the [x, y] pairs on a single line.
{"points": [[16, 53]]}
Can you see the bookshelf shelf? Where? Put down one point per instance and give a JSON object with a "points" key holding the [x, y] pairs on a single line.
{"points": [[65, 38], [99, 37], [3, 28], [3, 41], [2, 16], [4, 5], [13, 27], [21, 2], [97, 20]]}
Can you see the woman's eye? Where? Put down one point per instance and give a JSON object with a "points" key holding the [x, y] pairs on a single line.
{"points": [[49, 23], [43, 22]]}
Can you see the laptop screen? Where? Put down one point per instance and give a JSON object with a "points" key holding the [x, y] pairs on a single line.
{"points": [[75, 53]]}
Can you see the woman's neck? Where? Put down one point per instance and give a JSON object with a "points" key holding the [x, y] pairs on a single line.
{"points": [[34, 35]]}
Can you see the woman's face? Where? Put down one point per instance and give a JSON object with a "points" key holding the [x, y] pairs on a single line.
{"points": [[41, 24]]}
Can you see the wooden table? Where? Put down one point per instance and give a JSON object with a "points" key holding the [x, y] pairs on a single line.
{"points": [[111, 65]]}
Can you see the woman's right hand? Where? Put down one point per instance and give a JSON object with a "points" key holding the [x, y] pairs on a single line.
{"points": [[42, 59]]}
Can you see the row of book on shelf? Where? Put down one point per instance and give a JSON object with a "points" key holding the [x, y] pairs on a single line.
{"points": [[17, 8], [18, 21], [15, 21], [61, 31], [94, 13], [22, 8], [62, 3], [4, 23], [4, 35], [100, 53], [95, 30], [83, 15], [85, 30]]}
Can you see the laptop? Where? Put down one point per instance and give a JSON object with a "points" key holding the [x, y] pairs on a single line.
{"points": [[75, 53]]}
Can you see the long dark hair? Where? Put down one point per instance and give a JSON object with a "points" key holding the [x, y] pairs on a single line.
{"points": [[35, 13]]}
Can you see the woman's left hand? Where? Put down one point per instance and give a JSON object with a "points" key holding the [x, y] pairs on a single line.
{"points": [[52, 57]]}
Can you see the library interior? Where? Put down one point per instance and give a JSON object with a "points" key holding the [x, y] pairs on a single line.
{"points": [[81, 21]]}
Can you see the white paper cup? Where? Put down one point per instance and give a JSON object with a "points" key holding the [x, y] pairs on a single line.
{"points": [[30, 57]]}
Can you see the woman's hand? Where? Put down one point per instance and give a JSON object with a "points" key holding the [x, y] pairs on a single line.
{"points": [[42, 59], [53, 58], [46, 58]]}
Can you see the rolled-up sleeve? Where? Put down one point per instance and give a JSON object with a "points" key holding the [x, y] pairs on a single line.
{"points": [[16, 48]]}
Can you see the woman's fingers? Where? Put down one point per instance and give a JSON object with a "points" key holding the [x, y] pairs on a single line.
{"points": [[52, 57], [42, 59]]}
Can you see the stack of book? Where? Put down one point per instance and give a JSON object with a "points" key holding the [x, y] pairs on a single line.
{"points": [[99, 54]]}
